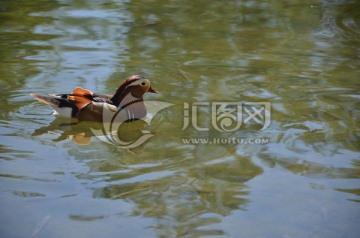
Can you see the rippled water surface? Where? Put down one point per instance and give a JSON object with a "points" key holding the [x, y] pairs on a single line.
{"points": [[302, 57]]}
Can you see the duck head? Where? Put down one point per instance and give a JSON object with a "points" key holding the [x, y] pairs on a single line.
{"points": [[133, 87]]}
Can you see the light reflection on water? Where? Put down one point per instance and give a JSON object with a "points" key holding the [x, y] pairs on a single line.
{"points": [[303, 58]]}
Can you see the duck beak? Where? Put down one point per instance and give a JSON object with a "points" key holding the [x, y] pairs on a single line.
{"points": [[152, 90]]}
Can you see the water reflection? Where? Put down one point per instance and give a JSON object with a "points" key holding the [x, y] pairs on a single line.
{"points": [[82, 132], [183, 196]]}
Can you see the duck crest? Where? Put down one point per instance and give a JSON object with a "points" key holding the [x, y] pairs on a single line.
{"points": [[122, 91]]}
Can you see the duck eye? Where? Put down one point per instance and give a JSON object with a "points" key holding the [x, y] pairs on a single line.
{"points": [[143, 83]]}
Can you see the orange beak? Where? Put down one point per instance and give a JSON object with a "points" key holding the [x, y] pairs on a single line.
{"points": [[152, 90]]}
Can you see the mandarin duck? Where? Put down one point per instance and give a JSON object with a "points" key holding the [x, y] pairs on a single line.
{"points": [[85, 105]]}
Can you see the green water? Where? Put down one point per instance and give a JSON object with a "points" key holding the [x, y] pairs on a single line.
{"points": [[302, 57]]}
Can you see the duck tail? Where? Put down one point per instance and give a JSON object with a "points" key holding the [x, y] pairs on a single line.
{"points": [[47, 100]]}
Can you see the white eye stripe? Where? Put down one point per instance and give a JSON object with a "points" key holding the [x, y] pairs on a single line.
{"points": [[141, 82]]}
